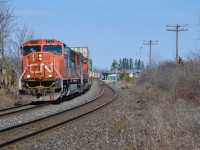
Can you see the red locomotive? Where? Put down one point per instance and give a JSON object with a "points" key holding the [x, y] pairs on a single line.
{"points": [[51, 69]]}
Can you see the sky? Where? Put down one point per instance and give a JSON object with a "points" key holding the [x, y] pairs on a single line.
{"points": [[114, 29]]}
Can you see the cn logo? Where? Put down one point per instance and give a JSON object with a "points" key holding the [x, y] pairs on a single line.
{"points": [[49, 68]]}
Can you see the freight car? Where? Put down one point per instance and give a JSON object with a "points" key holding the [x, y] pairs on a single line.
{"points": [[51, 70]]}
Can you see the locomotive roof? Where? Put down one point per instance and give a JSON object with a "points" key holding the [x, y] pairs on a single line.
{"points": [[43, 41]]}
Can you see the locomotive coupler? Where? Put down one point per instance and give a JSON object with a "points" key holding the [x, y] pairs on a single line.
{"points": [[39, 92]]}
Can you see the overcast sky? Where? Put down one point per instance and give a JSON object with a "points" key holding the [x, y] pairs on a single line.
{"points": [[114, 29]]}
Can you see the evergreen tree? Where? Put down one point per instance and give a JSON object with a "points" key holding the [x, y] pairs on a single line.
{"points": [[114, 65], [142, 65], [139, 64], [130, 64], [136, 64], [127, 64], [123, 64]]}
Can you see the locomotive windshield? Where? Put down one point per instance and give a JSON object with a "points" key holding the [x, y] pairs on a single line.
{"points": [[53, 48], [30, 49]]}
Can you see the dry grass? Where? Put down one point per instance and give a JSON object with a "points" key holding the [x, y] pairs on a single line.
{"points": [[172, 124], [181, 81], [8, 100], [162, 109], [171, 94], [150, 119]]}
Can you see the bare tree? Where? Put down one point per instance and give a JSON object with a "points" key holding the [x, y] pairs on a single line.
{"points": [[21, 35], [11, 37], [7, 22]]}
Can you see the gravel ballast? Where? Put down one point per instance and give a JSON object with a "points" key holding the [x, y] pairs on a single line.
{"points": [[39, 113]]}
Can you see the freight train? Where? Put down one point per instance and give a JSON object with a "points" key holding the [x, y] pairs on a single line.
{"points": [[51, 70]]}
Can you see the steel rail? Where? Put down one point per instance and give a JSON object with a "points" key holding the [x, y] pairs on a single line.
{"points": [[9, 108], [13, 110]]}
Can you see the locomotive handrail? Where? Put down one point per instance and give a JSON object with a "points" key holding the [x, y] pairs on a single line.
{"points": [[20, 83], [80, 75], [40, 86], [61, 77], [20, 79]]}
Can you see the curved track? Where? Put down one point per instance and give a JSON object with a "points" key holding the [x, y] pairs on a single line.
{"points": [[20, 132]]}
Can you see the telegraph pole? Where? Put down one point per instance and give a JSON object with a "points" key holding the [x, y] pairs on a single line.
{"points": [[177, 29], [139, 62], [150, 42]]}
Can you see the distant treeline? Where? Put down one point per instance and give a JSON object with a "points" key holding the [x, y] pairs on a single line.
{"points": [[127, 64]]}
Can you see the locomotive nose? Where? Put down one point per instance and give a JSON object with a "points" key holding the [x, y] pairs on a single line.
{"points": [[40, 66]]}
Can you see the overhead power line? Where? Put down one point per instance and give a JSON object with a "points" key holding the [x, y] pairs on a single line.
{"points": [[150, 43], [177, 28]]}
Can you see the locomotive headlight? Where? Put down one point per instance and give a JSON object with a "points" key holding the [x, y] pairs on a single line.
{"points": [[40, 59], [50, 75], [28, 76], [40, 55]]}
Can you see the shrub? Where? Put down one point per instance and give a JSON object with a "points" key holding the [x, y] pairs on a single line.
{"points": [[125, 77], [122, 75], [183, 81]]}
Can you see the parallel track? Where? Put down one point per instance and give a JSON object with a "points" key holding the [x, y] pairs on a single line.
{"points": [[31, 106], [2, 111], [20, 132], [19, 109]]}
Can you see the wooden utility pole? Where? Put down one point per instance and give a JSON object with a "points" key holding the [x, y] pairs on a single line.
{"points": [[150, 42], [177, 29]]}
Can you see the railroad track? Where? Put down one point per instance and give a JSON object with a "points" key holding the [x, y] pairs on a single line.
{"points": [[17, 106], [19, 109], [23, 131], [16, 111]]}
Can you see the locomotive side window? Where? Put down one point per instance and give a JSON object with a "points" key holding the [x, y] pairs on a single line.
{"points": [[53, 48], [30, 49]]}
